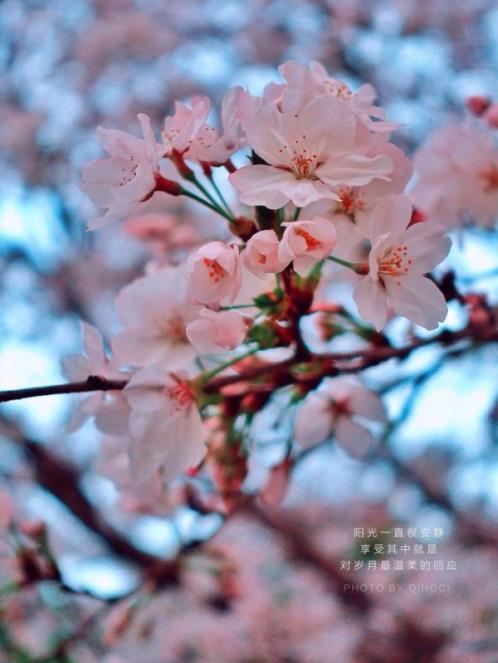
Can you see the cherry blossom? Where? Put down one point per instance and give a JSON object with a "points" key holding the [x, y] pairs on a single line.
{"points": [[127, 177], [261, 255], [338, 407], [248, 343], [307, 242], [162, 233], [150, 227], [155, 310], [165, 423], [94, 362], [457, 173], [217, 331], [308, 153], [109, 408], [184, 127], [214, 273], [213, 147], [113, 462], [305, 83], [397, 264]]}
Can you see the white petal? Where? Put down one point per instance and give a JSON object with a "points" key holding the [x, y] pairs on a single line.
{"points": [[262, 185], [200, 333], [112, 416], [84, 411], [187, 448], [99, 194], [427, 246], [118, 143], [144, 391], [371, 301], [418, 299], [355, 169], [75, 367], [390, 214], [327, 119], [93, 343], [354, 438], [314, 422], [367, 404]]}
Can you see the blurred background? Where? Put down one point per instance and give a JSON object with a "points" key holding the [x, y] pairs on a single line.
{"points": [[256, 592]]}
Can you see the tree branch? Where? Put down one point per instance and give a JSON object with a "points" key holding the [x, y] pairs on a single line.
{"points": [[62, 480], [337, 363], [331, 364], [92, 383]]}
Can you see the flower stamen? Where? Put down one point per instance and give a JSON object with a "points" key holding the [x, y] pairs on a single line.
{"points": [[311, 242], [215, 270], [395, 261]]}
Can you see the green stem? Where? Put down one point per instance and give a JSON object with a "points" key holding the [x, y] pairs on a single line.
{"points": [[279, 219], [206, 203], [207, 376], [193, 178], [236, 306], [221, 196], [344, 263], [209, 196], [297, 212]]}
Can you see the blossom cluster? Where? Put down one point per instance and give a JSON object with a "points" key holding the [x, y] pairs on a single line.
{"points": [[314, 194]]}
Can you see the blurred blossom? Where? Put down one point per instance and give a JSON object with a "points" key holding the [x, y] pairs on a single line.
{"points": [[104, 585]]}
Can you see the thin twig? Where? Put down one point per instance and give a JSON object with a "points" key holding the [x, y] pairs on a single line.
{"points": [[92, 383], [331, 365]]}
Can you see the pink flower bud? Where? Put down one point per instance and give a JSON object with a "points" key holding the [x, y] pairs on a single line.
{"points": [[477, 104], [261, 254], [214, 273]]}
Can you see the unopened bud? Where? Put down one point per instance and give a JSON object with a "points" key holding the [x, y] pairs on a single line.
{"points": [[168, 186], [477, 104]]}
